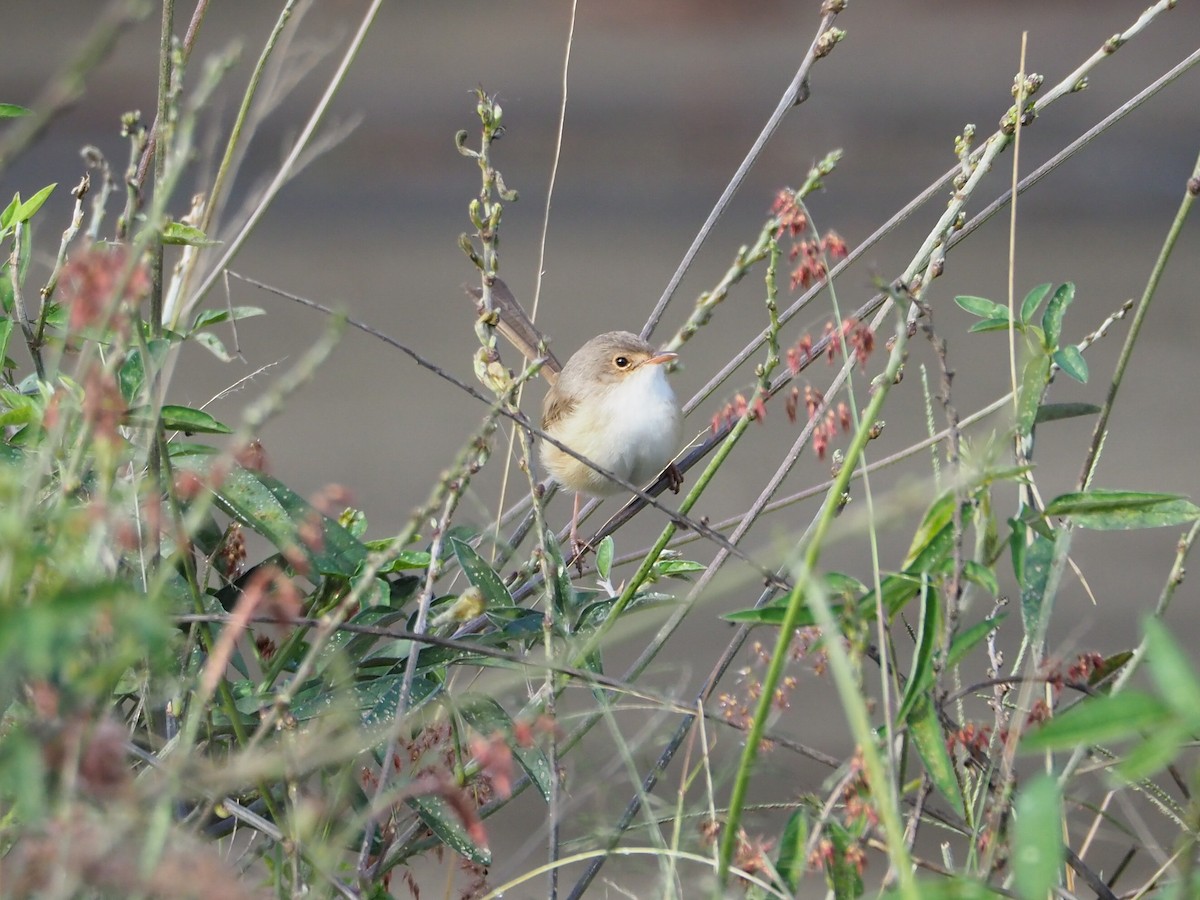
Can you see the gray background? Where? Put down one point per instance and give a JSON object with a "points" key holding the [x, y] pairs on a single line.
{"points": [[665, 98]]}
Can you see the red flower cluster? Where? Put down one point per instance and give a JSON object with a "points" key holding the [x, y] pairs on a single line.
{"points": [[96, 280], [738, 407], [814, 253]]}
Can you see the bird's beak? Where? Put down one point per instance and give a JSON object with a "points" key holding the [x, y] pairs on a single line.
{"points": [[659, 358]]}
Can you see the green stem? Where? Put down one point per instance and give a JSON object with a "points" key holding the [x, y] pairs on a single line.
{"points": [[847, 684], [1135, 327]]}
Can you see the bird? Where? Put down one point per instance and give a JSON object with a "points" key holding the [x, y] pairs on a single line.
{"points": [[611, 403]]}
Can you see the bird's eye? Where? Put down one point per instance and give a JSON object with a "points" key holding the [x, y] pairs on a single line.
{"points": [[621, 362]]}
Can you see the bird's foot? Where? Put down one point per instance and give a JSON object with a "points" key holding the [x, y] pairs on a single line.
{"points": [[674, 477]]}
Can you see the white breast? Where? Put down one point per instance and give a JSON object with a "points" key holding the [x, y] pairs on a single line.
{"points": [[635, 434], [643, 421]]}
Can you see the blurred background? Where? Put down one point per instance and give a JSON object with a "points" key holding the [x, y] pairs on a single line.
{"points": [[665, 98]]}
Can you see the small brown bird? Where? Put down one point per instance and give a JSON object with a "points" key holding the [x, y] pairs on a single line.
{"points": [[611, 403]]}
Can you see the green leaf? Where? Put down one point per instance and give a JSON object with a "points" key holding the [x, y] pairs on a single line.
{"points": [[13, 111], [187, 235], [1034, 378], [29, 208], [178, 418], [840, 586], [1050, 412], [1034, 577], [380, 696], [1123, 510], [1099, 720], [488, 717], [208, 317], [132, 375], [278, 514], [841, 874], [930, 742], [1071, 361], [989, 325], [968, 638], [1033, 300], [791, 863], [949, 889], [213, 345], [921, 675], [438, 816], [1052, 318], [482, 575], [1155, 753], [604, 557], [1172, 673], [6, 217], [985, 309], [979, 574], [674, 568], [6, 329], [405, 559], [938, 517], [1038, 853]]}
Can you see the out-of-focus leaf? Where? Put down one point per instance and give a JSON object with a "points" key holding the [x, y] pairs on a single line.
{"points": [[1033, 300], [791, 863], [1052, 318], [28, 209], [213, 345], [968, 638], [938, 517], [604, 557], [1050, 412], [6, 327], [1172, 673], [208, 317], [380, 696], [1123, 510], [1071, 361], [979, 574], [1035, 576], [989, 325], [1155, 753], [186, 235], [441, 819], [131, 377], [1107, 668], [921, 676], [483, 576], [675, 568], [930, 742], [985, 309], [1098, 720], [278, 514], [949, 889], [488, 717], [178, 418], [841, 874], [1034, 377], [1038, 853]]}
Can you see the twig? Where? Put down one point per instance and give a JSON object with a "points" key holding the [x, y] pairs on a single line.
{"points": [[795, 93], [67, 86], [647, 496]]}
